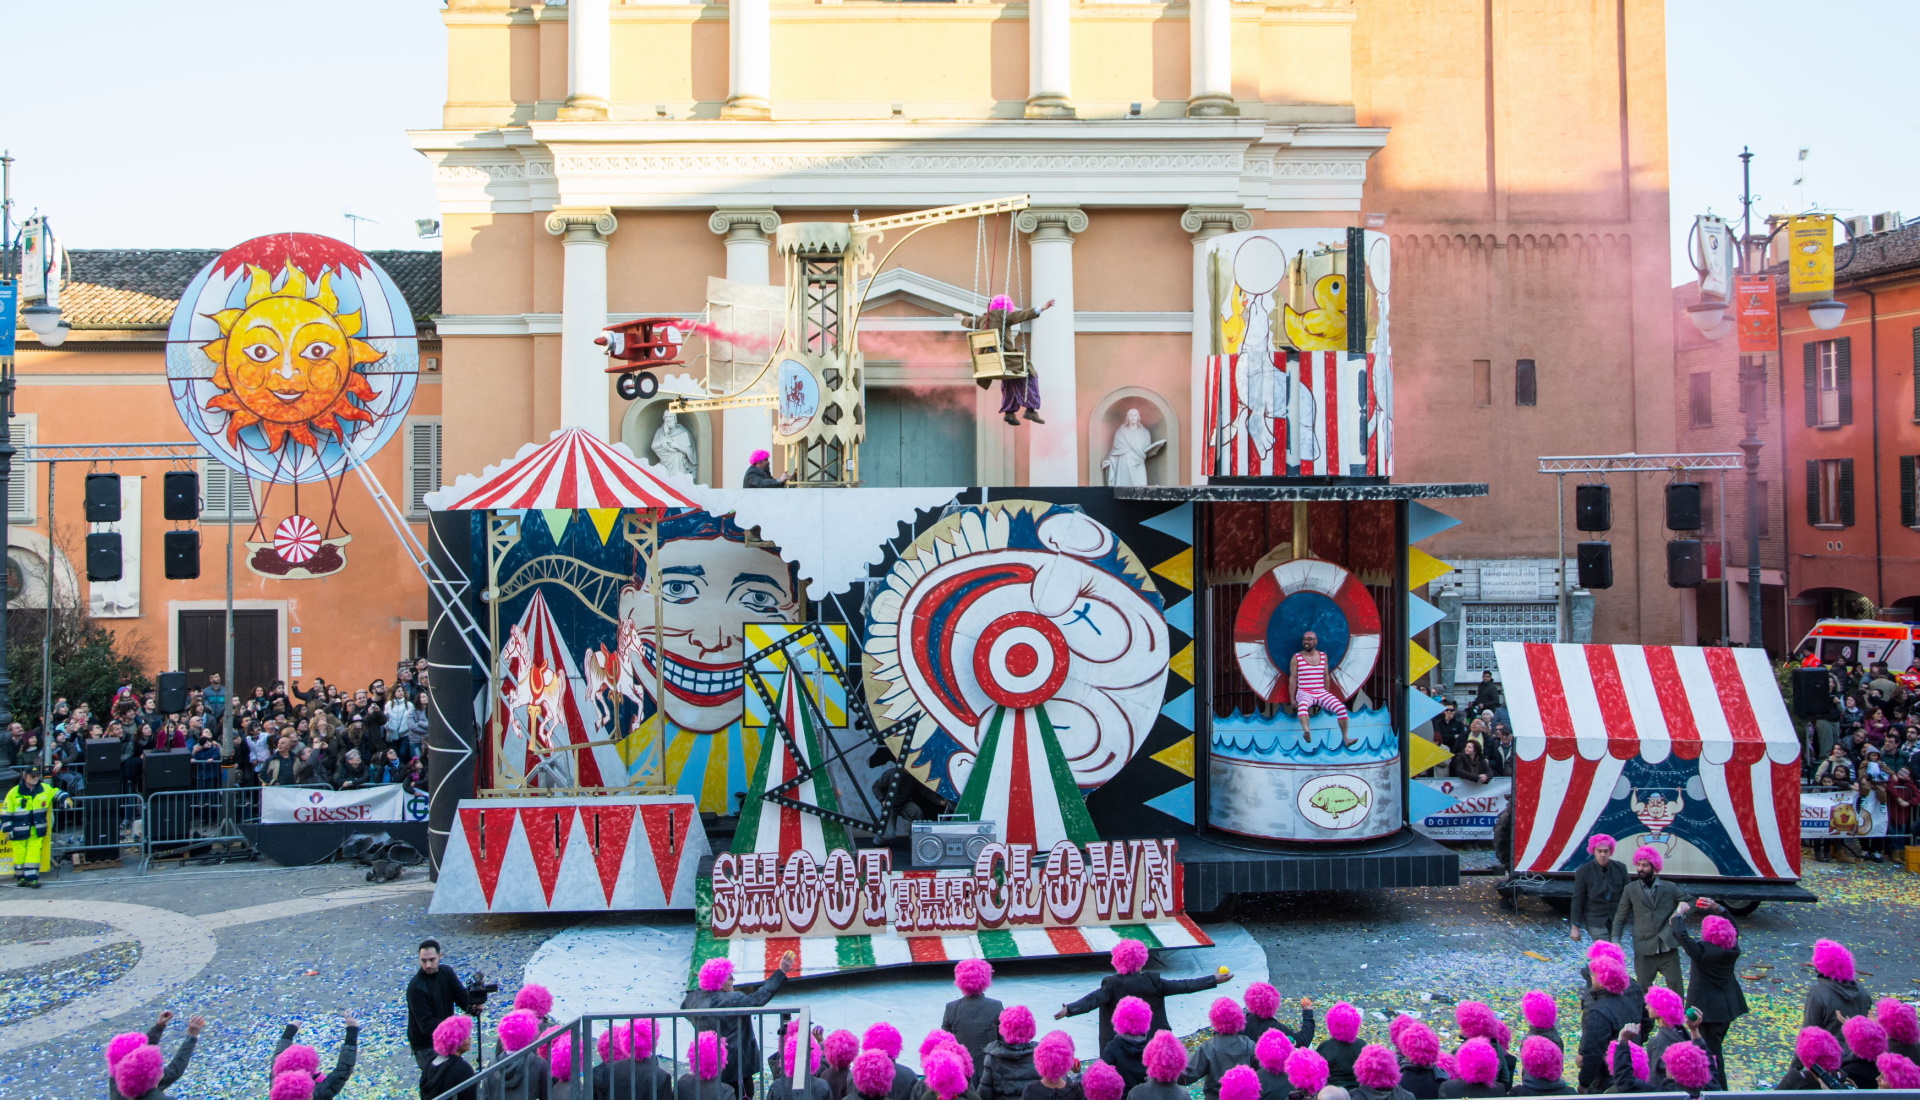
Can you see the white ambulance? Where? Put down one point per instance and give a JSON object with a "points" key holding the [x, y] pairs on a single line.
{"points": [[1845, 641]]}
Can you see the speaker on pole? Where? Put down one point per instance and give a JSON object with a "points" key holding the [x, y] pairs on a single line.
{"points": [[103, 555], [1683, 506], [172, 690], [182, 552], [1686, 563], [180, 495], [1594, 564], [1592, 507], [103, 498]]}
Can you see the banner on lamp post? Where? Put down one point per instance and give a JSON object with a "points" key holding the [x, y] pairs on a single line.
{"points": [[1713, 255], [1810, 257], [39, 274], [1756, 311], [9, 317]]}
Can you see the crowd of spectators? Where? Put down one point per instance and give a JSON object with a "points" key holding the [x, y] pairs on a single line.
{"points": [[1868, 742]]}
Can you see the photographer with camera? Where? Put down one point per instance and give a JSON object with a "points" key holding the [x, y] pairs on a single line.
{"points": [[435, 994]]}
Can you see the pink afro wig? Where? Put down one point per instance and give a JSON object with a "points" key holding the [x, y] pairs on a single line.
{"points": [[1016, 1025], [643, 1033], [707, 1056], [1226, 1016], [1636, 1055], [1600, 840], [1262, 1000], [1898, 1017], [1831, 960], [1867, 1039], [298, 1058], [1447, 1066], [1816, 1046], [1343, 1022], [1102, 1082], [518, 1028], [1377, 1068], [1688, 1065], [840, 1048], [451, 1035], [122, 1045], [873, 1074], [965, 1055], [1132, 1016], [1165, 1057], [1719, 931], [1539, 1009], [1397, 1025], [885, 1038], [935, 1039], [1001, 301], [616, 1045], [759, 457], [973, 976], [1502, 1035], [793, 1052], [715, 974], [291, 1086], [1665, 1005], [1475, 1019], [1611, 975], [1307, 1069], [1477, 1063], [946, 1074], [536, 998], [1272, 1051], [1897, 1071], [1540, 1058], [1652, 855], [560, 1056], [1053, 1058], [1240, 1083], [1129, 956], [1418, 1044], [140, 1070], [1606, 949]]}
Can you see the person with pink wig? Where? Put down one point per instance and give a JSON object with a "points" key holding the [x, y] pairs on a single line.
{"points": [[1017, 395], [1669, 1015], [1648, 901], [1542, 1016], [1714, 988], [1542, 1066], [1632, 1069], [1597, 885], [1130, 978], [1166, 1060], [1053, 1062], [946, 1074], [133, 1040], [1228, 1048], [1342, 1044], [1263, 1013], [291, 1085], [1816, 1062], [286, 1055], [525, 1077], [1240, 1083], [1902, 1026], [452, 1037], [1102, 1082], [872, 1074], [715, 982], [1608, 1009], [1866, 1041], [885, 1038], [1476, 1071], [1377, 1070], [706, 1057], [1836, 992], [1308, 1072], [1126, 1051], [137, 1074], [1419, 1051], [1270, 1056], [790, 1061], [838, 1050], [1687, 1068], [759, 473], [1897, 1071], [563, 1086], [1007, 1066], [973, 1018]]}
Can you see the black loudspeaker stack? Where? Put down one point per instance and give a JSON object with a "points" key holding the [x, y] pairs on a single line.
{"points": [[1592, 507], [103, 498], [167, 771], [102, 764], [172, 690], [103, 555], [1594, 563], [1683, 506], [1812, 693], [1686, 563], [182, 552], [180, 495]]}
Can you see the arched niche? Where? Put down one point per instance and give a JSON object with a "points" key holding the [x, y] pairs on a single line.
{"points": [[1163, 468], [643, 419]]}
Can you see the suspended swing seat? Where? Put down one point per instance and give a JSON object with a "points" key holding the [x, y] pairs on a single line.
{"points": [[637, 348], [992, 361]]}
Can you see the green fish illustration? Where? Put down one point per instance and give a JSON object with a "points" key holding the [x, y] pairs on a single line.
{"points": [[1337, 800]]}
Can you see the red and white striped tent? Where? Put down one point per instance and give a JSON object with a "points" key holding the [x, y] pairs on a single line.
{"points": [[573, 469], [1602, 731]]}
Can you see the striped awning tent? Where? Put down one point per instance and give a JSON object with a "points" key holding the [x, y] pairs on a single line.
{"points": [[573, 469], [1687, 748]]}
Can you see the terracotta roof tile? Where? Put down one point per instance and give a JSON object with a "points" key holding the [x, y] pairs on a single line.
{"points": [[139, 287]]}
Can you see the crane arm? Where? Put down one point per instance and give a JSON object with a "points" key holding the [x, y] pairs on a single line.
{"points": [[942, 214]]}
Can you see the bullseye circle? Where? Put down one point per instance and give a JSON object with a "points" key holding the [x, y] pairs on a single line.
{"points": [[1021, 659], [296, 539]]}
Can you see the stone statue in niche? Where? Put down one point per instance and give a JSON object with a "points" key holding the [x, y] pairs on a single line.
{"points": [[1133, 444], [673, 447]]}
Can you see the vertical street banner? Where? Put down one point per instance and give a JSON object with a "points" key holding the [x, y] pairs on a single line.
{"points": [[1810, 257], [1756, 313], [1713, 256], [9, 317]]}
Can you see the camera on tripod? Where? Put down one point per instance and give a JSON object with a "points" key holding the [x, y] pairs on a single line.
{"points": [[477, 989]]}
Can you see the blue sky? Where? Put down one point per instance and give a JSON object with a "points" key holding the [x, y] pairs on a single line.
{"points": [[150, 125]]}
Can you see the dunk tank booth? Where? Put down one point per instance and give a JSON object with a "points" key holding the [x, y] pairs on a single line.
{"points": [[1687, 749]]}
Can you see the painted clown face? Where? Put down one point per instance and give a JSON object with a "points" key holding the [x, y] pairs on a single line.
{"points": [[710, 588]]}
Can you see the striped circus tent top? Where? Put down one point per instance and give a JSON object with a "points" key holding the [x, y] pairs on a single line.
{"points": [[573, 469]]}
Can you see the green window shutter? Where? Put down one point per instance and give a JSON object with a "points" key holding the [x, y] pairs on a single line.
{"points": [[1843, 376], [1907, 517], [1813, 491], [1810, 357], [1846, 492]]}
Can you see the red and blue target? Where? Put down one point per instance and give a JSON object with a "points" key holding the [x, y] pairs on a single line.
{"points": [[1292, 598]]}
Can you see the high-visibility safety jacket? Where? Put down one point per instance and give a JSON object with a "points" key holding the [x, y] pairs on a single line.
{"points": [[25, 816]]}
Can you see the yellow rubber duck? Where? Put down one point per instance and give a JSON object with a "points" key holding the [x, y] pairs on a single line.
{"points": [[1323, 328], [1233, 329]]}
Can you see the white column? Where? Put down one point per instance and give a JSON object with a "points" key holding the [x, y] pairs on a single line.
{"points": [[1210, 40], [584, 381], [1205, 223], [750, 56], [1053, 455], [589, 59], [1050, 59], [749, 260]]}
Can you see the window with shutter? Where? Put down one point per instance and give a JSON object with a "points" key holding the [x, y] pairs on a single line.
{"points": [[1700, 399], [224, 494], [1846, 492], [1526, 383], [1907, 510], [21, 497], [423, 464], [1809, 355], [1813, 492], [1843, 377]]}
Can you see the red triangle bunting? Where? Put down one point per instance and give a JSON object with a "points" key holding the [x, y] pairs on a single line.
{"points": [[547, 829], [488, 832], [667, 828], [607, 830]]}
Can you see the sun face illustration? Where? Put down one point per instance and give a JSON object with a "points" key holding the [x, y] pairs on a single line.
{"points": [[286, 360]]}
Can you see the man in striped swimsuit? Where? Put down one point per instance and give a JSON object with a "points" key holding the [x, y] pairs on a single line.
{"points": [[1310, 688]]}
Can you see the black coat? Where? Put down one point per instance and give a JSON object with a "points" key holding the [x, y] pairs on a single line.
{"points": [[1596, 892], [1213, 1058], [634, 1079], [431, 998], [1275, 1086], [438, 1077], [741, 1036], [904, 1081], [1534, 1086], [1828, 999], [1714, 987], [1457, 1088], [1605, 1015], [1123, 1053], [1006, 1071], [1550, 1034], [975, 1022], [1422, 1082], [1362, 1092], [687, 1088], [1340, 1058], [1070, 1091], [1260, 1025], [1149, 987]]}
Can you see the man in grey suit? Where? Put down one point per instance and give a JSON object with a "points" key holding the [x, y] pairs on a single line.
{"points": [[1651, 900]]}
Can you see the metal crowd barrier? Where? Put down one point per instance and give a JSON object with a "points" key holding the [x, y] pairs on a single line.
{"points": [[105, 825], [199, 824]]}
